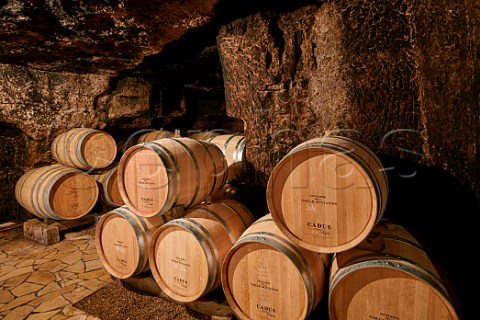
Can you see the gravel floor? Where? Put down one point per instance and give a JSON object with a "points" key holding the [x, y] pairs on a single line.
{"points": [[120, 301]]}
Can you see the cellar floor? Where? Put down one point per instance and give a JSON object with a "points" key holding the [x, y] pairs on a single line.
{"points": [[48, 282], [43, 282]]}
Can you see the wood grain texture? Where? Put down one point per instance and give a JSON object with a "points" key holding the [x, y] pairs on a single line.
{"points": [[266, 276], [187, 253], [327, 193], [122, 239], [389, 275], [108, 185], [156, 176], [84, 148], [233, 147], [56, 191], [155, 135], [204, 135]]}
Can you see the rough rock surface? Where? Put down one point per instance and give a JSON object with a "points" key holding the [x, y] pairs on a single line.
{"points": [[94, 36], [401, 77], [118, 66]]}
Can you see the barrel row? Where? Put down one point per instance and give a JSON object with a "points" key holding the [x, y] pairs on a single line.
{"points": [[264, 274], [42, 191], [183, 254], [326, 194], [232, 146], [156, 176], [64, 190], [387, 276], [60, 192], [193, 255]]}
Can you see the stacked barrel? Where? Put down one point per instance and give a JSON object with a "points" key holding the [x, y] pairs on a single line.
{"points": [[325, 230], [233, 147], [267, 276], [65, 190], [187, 253], [264, 274], [148, 135], [169, 223], [323, 238], [388, 275], [159, 175], [107, 179]]}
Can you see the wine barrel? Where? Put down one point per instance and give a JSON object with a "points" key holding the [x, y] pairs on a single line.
{"points": [[233, 147], [267, 276], [108, 185], [155, 135], [156, 176], [122, 239], [148, 135], [204, 135], [327, 193], [387, 276], [57, 192], [187, 252], [84, 148]]}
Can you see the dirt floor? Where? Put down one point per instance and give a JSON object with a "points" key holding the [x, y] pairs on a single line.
{"points": [[119, 300]]}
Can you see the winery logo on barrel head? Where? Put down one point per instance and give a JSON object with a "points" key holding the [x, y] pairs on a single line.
{"points": [[121, 263], [146, 200], [317, 225], [265, 308], [181, 281]]}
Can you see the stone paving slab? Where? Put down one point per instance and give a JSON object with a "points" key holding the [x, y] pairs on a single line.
{"points": [[43, 282]]}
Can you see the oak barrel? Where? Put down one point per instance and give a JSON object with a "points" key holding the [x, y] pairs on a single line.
{"points": [[155, 135], [267, 276], [327, 193], [146, 135], [204, 135], [187, 252], [153, 177], [108, 185], [387, 276], [122, 239], [233, 147], [57, 191], [84, 148], [156, 176]]}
